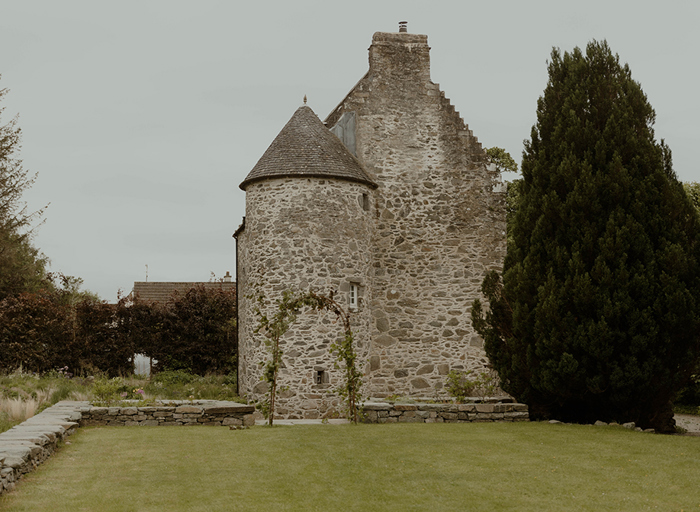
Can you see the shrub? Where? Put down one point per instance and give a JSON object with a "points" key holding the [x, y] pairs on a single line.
{"points": [[461, 386], [57, 327], [198, 332], [173, 377], [107, 391], [182, 385], [98, 343], [34, 332], [690, 394], [42, 331]]}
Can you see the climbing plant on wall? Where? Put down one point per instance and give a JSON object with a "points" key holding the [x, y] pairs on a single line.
{"points": [[275, 326]]}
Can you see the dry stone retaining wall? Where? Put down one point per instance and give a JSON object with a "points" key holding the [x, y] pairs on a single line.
{"points": [[210, 413], [382, 412], [24, 447]]}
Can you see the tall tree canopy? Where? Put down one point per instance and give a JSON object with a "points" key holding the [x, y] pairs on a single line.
{"points": [[597, 315], [693, 190], [22, 267]]}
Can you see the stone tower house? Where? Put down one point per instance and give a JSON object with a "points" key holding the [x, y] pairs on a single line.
{"points": [[393, 205]]}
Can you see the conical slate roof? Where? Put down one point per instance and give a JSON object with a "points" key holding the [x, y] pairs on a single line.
{"points": [[305, 147]]}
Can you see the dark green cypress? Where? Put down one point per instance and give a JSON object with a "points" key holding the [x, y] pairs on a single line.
{"points": [[598, 315]]}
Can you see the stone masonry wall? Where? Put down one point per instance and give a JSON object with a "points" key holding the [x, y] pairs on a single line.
{"points": [[381, 412], [208, 413], [440, 220], [303, 234], [26, 446]]}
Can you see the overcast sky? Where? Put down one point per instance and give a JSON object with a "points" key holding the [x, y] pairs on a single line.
{"points": [[142, 117]]}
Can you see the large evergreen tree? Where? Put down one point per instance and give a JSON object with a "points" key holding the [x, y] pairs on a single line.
{"points": [[597, 316]]}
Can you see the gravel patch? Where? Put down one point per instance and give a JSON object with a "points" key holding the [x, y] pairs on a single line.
{"points": [[690, 422]]}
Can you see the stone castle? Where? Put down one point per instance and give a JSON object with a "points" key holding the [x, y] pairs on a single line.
{"points": [[392, 204]]}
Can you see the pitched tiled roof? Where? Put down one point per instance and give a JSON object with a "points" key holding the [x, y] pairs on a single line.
{"points": [[305, 147], [155, 291]]}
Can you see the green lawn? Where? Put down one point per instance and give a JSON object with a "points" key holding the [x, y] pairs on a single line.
{"points": [[483, 466]]}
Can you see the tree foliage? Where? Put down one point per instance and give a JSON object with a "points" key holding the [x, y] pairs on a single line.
{"points": [[97, 340], [196, 331], [502, 159], [693, 190], [22, 267], [35, 333], [690, 395], [597, 315], [62, 326]]}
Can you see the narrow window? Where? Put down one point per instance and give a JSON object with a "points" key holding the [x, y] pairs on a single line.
{"points": [[365, 202], [321, 377], [353, 295]]}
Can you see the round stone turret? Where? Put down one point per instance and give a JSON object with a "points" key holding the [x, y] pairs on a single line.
{"points": [[308, 226]]}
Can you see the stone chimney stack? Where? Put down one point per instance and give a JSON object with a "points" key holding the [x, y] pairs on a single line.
{"points": [[227, 277], [399, 56]]}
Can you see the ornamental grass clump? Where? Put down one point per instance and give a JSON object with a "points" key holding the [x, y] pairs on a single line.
{"points": [[23, 395]]}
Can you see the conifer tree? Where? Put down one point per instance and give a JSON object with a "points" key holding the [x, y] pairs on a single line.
{"points": [[598, 314]]}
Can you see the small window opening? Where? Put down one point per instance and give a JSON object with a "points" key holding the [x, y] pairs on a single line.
{"points": [[321, 377], [365, 202], [353, 295]]}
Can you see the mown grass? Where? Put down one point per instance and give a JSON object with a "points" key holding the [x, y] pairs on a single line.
{"points": [[507, 466]]}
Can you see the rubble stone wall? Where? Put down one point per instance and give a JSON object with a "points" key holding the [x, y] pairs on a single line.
{"points": [[211, 414], [380, 412], [418, 246], [303, 234], [440, 220], [26, 446]]}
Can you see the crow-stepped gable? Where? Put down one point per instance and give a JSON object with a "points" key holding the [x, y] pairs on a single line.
{"points": [[393, 205]]}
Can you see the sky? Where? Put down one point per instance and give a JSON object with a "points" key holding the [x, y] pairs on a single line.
{"points": [[141, 118]]}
